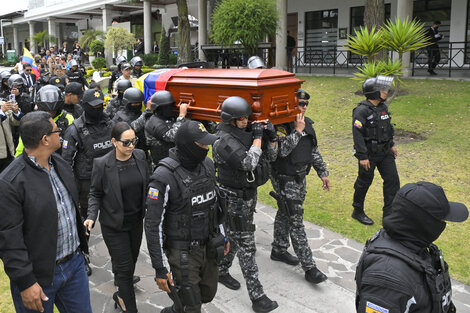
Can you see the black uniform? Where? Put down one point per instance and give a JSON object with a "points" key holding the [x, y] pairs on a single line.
{"points": [[434, 54], [114, 76], [75, 109], [137, 73], [160, 135], [373, 140], [401, 270], [114, 105], [84, 141], [77, 77]]}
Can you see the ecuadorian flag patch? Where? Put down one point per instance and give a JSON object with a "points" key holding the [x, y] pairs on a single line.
{"points": [[65, 144], [358, 124], [374, 308], [153, 193]]}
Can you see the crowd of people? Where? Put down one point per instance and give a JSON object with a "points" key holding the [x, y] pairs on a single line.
{"points": [[143, 167]]}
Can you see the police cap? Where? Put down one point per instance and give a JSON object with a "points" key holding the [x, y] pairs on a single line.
{"points": [[192, 131], [302, 95], [74, 88], [57, 81], [93, 97]]}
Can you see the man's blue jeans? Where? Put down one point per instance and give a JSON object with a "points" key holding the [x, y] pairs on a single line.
{"points": [[69, 291]]}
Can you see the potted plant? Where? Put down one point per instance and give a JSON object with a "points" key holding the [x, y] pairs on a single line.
{"points": [[96, 47]]}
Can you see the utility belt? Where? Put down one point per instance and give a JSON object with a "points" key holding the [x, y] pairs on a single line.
{"points": [[245, 193], [298, 177], [375, 147], [185, 244]]}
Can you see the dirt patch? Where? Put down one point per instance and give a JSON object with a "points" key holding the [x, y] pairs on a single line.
{"points": [[404, 136]]}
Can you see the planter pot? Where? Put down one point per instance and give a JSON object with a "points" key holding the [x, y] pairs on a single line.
{"points": [[91, 58]]}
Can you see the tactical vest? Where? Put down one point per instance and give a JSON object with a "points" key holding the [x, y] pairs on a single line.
{"points": [[74, 77], [231, 148], [92, 143], [158, 147], [196, 220], [436, 275], [301, 155], [378, 124], [63, 122]]}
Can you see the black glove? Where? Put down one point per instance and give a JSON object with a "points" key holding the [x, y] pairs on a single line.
{"points": [[257, 129], [271, 132]]}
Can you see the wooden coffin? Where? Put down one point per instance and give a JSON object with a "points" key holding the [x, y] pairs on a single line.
{"points": [[270, 92]]}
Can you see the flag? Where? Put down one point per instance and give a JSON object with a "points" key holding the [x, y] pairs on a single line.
{"points": [[28, 58], [155, 81]]}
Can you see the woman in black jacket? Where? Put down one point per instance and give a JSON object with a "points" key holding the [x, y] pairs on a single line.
{"points": [[118, 188]]}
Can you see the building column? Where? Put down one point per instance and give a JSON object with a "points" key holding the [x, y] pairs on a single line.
{"points": [[51, 29], [107, 20], [16, 43], [281, 36], [202, 32], [148, 42], [32, 46], [404, 10], [458, 31]]}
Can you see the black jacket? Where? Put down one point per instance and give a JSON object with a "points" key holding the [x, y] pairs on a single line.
{"points": [[105, 191], [33, 78], [28, 223]]}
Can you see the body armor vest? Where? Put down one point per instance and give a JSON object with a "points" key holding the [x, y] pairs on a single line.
{"points": [[93, 142], [436, 272], [158, 147], [301, 155], [196, 220], [378, 125]]}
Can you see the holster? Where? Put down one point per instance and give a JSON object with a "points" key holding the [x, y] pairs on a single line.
{"points": [[215, 247]]}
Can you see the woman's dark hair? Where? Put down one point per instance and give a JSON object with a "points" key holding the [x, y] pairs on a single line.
{"points": [[118, 129], [33, 126]]}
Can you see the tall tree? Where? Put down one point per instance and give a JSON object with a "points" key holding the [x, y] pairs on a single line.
{"points": [[184, 43], [374, 16]]}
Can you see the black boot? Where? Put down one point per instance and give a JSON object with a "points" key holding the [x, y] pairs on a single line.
{"points": [[228, 281], [359, 215], [285, 257], [315, 276], [264, 304]]}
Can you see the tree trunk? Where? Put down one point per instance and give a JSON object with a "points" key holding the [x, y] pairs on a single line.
{"points": [[184, 43], [374, 15]]}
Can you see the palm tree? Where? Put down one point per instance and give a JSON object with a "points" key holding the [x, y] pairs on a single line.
{"points": [[89, 36]]}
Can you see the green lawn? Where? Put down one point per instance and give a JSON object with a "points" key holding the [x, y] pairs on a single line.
{"points": [[439, 111]]}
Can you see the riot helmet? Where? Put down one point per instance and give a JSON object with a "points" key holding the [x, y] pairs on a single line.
{"points": [[137, 61], [16, 80], [73, 63], [255, 62], [372, 86], [133, 95], [161, 98], [123, 84], [50, 99], [233, 108], [5, 75], [120, 59]]}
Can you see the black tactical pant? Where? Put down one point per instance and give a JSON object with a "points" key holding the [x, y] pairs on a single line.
{"points": [[385, 163], [83, 192], [434, 56], [202, 276]]}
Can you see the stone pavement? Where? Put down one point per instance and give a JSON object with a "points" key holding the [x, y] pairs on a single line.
{"points": [[335, 255]]}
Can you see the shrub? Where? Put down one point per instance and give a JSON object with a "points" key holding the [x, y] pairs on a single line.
{"points": [[173, 59], [96, 46], [99, 63], [147, 70], [150, 59], [107, 74], [163, 56]]}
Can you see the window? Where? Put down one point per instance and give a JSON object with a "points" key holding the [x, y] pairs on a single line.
{"points": [[321, 34], [357, 16]]}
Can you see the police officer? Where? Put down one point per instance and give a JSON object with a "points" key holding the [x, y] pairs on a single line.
{"points": [[51, 100], [116, 103], [117, 72], [137, 64], [400, 269], [161, 127], [18, 87], [434, 54], [73, 95], [4, 89], [87, 138], [183, 213], [242, 166], [298, 152], [373, 141], [75, 74], [59, 82]]}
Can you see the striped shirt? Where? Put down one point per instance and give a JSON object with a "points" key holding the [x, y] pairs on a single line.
{"points": [[67, 236]]}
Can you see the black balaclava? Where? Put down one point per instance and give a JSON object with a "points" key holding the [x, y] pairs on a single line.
{"points": [[120, 94], [134, 108], [408, 223], [165, 112], [187, 151], [93, 114]]}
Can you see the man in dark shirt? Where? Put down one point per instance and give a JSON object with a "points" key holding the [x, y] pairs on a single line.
{"points": [[434, 55]]}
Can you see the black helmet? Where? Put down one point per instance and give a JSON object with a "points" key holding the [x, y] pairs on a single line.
{"points": [[255, 62], [123, 84], [372, 86], [161, 98], [120, 59], [5, 75], [133, 95], [73, 63], [233, 108], [137, 61], [16, 80], [49, 98]]}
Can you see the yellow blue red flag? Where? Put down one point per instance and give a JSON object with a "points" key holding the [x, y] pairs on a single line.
{"points": [[28, 58]]}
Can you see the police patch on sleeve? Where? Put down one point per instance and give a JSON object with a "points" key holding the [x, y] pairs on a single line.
{"points": [[281, 132], [357, 124], [65, 144], [374, 308], [153, 193]]}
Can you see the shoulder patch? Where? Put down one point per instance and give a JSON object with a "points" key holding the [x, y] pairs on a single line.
{"points": [[281, 131], [357, 124], [153, 193], [374, 308], [65, 144]]}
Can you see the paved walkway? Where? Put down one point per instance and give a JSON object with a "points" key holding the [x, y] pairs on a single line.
{"points": [[335, 255]]}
